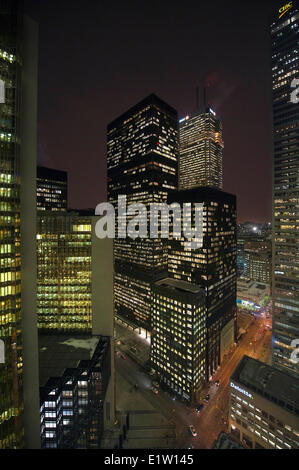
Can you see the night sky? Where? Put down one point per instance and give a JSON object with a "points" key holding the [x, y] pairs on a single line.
{"points": [[98, 58]]}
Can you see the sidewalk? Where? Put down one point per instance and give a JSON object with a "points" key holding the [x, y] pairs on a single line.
{"points": [[132, 344]]}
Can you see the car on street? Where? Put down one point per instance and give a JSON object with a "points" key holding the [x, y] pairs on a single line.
{"points": [[192, 430], [199, 408], [155, 390]]}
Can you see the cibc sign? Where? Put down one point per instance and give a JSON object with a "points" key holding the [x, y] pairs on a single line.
{"points": [[284, 9], [239, 389]]}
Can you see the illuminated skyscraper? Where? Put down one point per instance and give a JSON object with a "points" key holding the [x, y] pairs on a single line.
{"points": [[201, 150], [71, 284], [51, 189], [257, 258], [285, 68], [212, 267], [179, 336], [19, 404], [142, 154]]}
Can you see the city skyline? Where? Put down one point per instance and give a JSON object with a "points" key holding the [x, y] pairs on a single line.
{"points": [[80, 110], [147, 300]]}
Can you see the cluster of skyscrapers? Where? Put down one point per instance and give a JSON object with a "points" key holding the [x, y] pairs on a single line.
{"points": [[56, 276], [185, 299]]}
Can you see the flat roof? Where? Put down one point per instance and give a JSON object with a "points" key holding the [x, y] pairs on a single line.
{"points": [[150, 100], [52, 174], [225, 441], [179, 285], [202, 194], [60, 352], [273, 384]]}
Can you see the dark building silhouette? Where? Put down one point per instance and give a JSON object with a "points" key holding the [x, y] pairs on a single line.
{"points": [[51, 189], [142, 162], [19, 403]]}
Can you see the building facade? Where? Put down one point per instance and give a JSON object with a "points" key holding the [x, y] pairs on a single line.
{"points": [[51, 189], [211, 267], [72, 398], [201, 151], [64, 279], [142, 162], [18, 332], [179, 335], [264, 406], [285, 60], [258, 260]]}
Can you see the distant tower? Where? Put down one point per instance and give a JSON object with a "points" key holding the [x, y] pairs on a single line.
{"points": [[51, 189], [201, 148]]}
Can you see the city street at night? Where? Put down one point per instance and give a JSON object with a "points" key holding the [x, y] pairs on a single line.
{"points": [[213, 417]]}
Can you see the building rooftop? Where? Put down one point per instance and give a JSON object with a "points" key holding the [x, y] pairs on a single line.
{"points": [[179, 285], [150, 100], [225, 441], [200, 194], [58, 353], [273, 384], [51, 173]]}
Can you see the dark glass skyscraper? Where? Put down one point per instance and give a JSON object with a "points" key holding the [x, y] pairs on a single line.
{"points": [[51, 189], [142, 154], [285, 68], [213, 268], [19, 405]]}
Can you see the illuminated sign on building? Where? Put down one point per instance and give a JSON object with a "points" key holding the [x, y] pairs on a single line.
{"points": [[184, 119], [239, 389], [284, 9]]}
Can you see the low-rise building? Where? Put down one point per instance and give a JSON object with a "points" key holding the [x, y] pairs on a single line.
{"points": [[225, 441], [74, 377], [264, 406], [252, 295]]}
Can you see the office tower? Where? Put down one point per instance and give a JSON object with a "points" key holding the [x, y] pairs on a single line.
{"points": [[69, 265], [178, 344], [142, 160], [211, 267], [201, 150], [264, 406], [51, 189], [19, 405], [285, 60], [257, 258], [74, 376]]}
